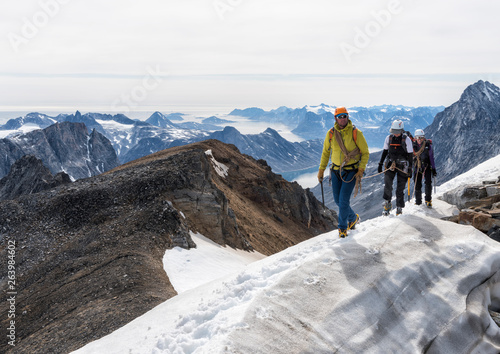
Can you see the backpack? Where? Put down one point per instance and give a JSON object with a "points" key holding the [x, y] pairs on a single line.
{"points": [[402, 144]]}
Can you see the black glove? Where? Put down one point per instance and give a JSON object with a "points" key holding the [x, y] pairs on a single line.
{"points": [[409, 171], [380, 165], [434, 173]]}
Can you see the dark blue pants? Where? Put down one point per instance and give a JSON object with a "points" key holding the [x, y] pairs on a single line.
{"points": [[342, 195]]}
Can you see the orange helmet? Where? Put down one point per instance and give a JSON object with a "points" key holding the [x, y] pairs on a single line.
{"points": [[340, 110]]}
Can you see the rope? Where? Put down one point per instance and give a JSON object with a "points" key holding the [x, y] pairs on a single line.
{"points": [[350, 155], [416, 179], [418, 153], [357, 187], [391, 167]]}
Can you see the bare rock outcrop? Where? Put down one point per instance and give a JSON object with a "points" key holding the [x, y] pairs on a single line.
{"points": [[479, 206], [28, 175]]}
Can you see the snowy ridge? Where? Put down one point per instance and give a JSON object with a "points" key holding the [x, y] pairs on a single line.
{"points": [[399, 283]]}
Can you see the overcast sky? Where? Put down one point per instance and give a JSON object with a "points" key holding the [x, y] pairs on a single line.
{"points": [[180, 55]]}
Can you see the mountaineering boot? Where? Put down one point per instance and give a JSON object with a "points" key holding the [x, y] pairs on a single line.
{"points": [[399, 211], [428, 204], [342, 233], [352, 225], [387, 208]]}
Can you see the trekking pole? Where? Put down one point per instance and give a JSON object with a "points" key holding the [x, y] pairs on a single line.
{"points": [[434, 180], [322, 194]]}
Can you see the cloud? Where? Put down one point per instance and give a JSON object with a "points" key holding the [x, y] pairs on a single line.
{"points": [[119, 39]]}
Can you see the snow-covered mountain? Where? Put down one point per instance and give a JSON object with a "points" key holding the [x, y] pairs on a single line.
{"points": [[406, 284], [36, 119], [163, 121], [27, 123]]}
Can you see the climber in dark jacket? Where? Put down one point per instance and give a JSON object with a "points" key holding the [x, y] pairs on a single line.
{"points": [[424, 167]]}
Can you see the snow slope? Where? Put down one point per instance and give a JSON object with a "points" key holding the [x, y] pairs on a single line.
{"points": [[188, 269], [397, 284]]}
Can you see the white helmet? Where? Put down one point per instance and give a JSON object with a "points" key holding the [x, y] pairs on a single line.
{"points": [[419, 133], [397, 127]]}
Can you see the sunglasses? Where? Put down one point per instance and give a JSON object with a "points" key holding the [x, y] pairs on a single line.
{"points": [[341, 116]]}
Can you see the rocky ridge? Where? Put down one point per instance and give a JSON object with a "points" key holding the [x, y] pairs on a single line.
{"points": [[28, 175], [89, 254]]}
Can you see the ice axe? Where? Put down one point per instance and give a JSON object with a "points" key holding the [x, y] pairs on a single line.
{"points": [[409, 181], [322, 194]]}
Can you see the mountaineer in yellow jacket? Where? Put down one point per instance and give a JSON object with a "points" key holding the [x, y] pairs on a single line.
{"points": [[347, 147]]}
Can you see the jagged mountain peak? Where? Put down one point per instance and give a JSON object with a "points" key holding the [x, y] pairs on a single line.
{"points": [[272, 132], [157, 114], [160, 120], [482, 90]]}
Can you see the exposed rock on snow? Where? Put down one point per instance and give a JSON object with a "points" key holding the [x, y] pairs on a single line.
{"points": [[479, 206]]}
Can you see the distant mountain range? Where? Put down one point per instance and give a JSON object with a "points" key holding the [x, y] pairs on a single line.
{"points": [[133, 139], [464, 135], [312, 122]]}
